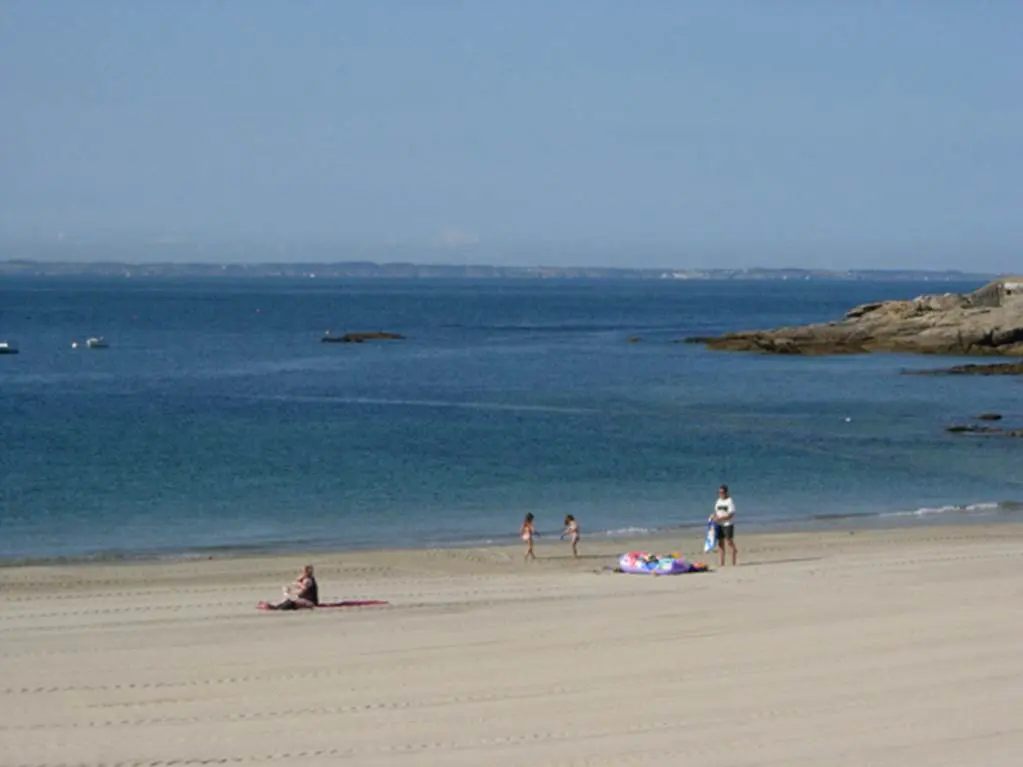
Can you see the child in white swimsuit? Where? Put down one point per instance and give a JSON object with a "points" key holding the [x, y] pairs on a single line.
{"points": [[572, 531]]}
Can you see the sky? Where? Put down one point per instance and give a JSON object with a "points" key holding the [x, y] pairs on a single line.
{"points": [[812, 133]]}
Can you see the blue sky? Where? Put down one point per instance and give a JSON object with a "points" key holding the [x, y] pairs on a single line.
{"points": [[651, 133]]}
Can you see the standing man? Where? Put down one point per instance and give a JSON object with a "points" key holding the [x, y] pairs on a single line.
{"points": [[724, 525]]}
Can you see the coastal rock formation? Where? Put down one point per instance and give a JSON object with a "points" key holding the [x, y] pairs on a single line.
{"points": [[988, 321], [975, 429], [996, 369], [358, 338]]}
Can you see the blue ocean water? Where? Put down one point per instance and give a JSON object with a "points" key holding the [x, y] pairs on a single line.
{"points": [[217, 419]]}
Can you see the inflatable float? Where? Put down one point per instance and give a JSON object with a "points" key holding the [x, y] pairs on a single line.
{"points": [[644, 563]]}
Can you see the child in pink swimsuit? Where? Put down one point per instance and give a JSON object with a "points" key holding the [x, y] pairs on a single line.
{"points": [[527, 531]]}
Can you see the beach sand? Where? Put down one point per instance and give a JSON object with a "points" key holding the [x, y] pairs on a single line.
{"points": [[882, 647]]}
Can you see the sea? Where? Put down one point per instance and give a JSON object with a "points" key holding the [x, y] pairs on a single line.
{"points": [[216, 422]]}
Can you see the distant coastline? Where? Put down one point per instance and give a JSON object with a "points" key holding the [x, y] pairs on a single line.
{"points": [[402, 270]]}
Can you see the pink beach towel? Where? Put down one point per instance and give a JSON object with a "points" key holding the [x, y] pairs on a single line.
{"points": [[266, 606]]}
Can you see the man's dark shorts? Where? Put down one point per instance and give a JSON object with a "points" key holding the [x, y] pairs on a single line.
{"points": [[724, 532]]}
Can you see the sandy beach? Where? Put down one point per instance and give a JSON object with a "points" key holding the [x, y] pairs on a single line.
{"points": [[882, 647]]}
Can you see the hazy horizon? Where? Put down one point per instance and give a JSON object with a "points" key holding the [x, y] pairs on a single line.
{"points": [[655, 134]]}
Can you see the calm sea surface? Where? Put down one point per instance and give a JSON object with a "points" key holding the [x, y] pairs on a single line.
{"points": [[217, 420]]}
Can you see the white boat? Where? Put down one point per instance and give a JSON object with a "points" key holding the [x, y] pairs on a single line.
{"points": [[6, 347], [97, 343]]}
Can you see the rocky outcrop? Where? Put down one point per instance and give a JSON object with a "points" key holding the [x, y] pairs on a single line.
{"points": [[996, 369], [358, 338], [988, 321], [975, 429]]}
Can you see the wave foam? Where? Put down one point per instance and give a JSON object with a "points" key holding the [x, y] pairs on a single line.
{"points": [[970, 508], [628, 531]]}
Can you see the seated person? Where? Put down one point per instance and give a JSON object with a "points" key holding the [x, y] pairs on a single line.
{"points": [[301, 594]]}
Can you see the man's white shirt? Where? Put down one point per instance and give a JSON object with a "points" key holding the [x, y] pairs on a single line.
{"points": [[722, 509]]}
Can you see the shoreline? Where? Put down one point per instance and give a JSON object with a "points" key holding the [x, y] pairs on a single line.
{"points": [[969, 515], [686, 540]]}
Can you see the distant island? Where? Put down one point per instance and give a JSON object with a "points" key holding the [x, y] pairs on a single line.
{"points": [[370, 269]]}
